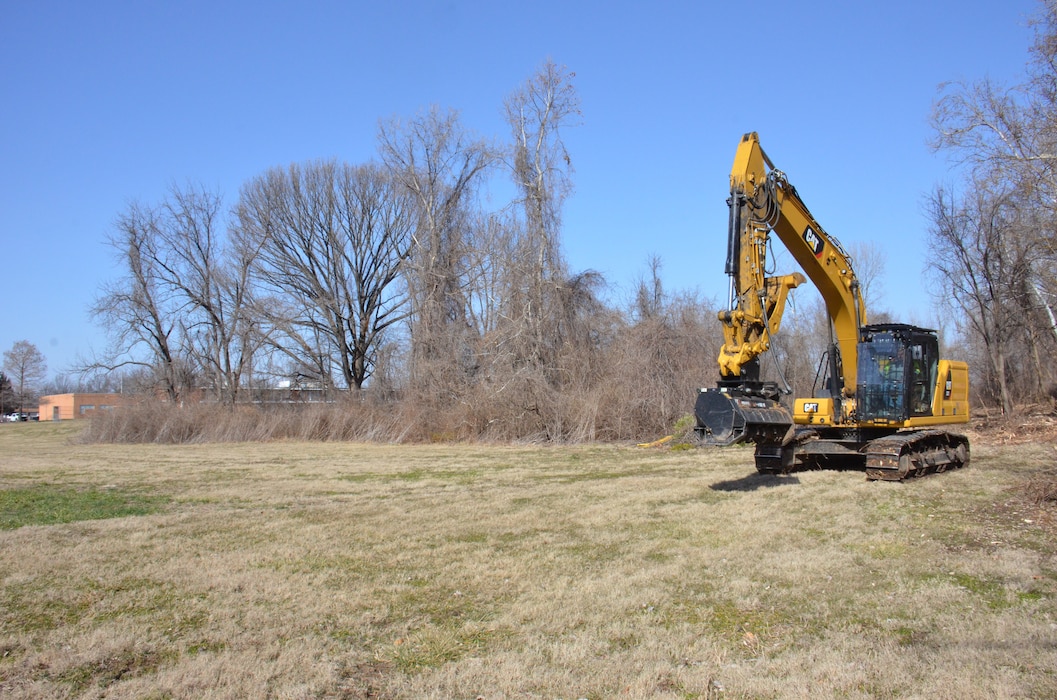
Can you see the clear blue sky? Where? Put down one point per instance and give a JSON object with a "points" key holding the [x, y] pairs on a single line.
{"points": [[103, 103]]}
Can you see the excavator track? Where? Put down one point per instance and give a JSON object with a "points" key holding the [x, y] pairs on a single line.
{"points": [[905, 455], [893, 457]]}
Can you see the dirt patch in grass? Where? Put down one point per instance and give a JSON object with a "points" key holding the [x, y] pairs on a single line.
{"points": [[1030, 502]]}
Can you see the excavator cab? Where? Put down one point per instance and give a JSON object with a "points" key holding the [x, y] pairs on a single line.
{"points": [[897, 371]]}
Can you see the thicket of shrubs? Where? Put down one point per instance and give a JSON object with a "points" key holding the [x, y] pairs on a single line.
{"points": [[633, 382]]}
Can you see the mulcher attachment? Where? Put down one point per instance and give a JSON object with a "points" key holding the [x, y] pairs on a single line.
{"points": [[727, 416]]}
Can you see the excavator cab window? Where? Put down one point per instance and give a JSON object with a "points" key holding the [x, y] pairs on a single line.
{"points": [[924, 363], [881, 392]]}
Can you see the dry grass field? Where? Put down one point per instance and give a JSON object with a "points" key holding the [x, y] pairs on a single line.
{"points": [[339, 570]]}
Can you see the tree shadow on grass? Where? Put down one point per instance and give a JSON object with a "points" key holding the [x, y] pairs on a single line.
{"points": [[755, 481]]}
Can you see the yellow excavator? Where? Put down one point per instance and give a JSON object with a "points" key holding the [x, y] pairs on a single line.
{"points": [[882, 393]]}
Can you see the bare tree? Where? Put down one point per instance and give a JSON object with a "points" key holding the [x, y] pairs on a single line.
{"points": [[441, 165], [537, 112], [183, 298], [649, 293], [27, 367], [1006, 137], [329, 242], [493, 249], [979, 264], [541, 168], [139, 310], [1008, 130], [209, 278], [869, 262], [61, 383]]}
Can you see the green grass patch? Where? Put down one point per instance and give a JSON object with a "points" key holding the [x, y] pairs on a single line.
{"points": [[993, 593], [38, 605], [433, 647], [47, 504]]}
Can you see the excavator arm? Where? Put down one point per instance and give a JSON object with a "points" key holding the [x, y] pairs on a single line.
{"points": [[761, 202]]}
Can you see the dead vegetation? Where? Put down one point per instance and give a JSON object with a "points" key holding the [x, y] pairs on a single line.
{"points": [[1034, 494], [1041, 488], [1032, 423], [349, 570]]}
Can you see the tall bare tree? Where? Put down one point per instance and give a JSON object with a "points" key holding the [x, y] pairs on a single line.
{"points": [[209, 276], [537, 114], [139, 310], [442, 166], [184, 295], [1008, 132], [1006, 137], [27, 367], [329, 242], [978, 263]]}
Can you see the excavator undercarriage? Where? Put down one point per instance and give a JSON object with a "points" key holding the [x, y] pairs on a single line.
{"points": [[891, 457], [727, 417]]}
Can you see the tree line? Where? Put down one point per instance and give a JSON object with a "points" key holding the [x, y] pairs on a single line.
{"points": [[389, 281], [994, 232]]}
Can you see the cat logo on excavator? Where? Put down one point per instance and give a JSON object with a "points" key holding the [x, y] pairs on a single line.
{"points": [[814, 241]]}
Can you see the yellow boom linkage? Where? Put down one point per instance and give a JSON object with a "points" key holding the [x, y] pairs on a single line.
{"points": [[762, 200]]}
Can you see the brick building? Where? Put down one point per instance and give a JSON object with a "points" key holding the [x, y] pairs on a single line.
{"points": [[69, 406]]}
